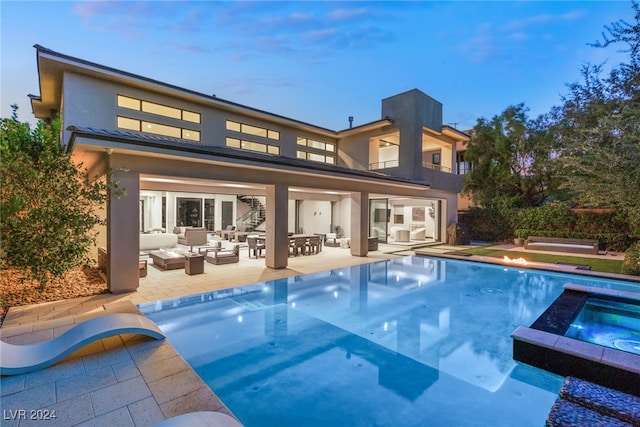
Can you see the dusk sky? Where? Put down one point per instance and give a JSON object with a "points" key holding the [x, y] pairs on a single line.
{"points": [[321, 62]]}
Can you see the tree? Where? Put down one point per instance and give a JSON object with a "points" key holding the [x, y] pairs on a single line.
{"points": [[49, 208], [510, 156], [598, 128]]}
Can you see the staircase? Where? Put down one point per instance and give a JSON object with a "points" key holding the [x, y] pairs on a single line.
{"points": [[254, 217]]}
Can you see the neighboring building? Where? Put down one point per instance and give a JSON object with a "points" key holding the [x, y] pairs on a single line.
{"points": [[186, 158]]}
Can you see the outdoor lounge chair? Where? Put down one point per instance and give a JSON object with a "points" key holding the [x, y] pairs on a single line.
{"points": [[19, 359], [226, 256]]}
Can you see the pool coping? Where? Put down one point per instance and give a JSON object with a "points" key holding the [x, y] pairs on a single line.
{"points": [[532, 265], [566, 356]]}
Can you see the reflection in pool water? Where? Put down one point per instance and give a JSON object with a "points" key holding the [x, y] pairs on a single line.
{"points": [[411, 341], [608, 322]]}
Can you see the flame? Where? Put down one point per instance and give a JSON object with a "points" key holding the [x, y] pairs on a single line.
{"points": [[520, 260]]}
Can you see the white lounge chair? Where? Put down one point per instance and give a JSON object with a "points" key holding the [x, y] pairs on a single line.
{"points": [[19, 359], [200, 419]]}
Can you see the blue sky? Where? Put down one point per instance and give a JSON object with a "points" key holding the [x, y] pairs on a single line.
{"points": [[321, 62]]}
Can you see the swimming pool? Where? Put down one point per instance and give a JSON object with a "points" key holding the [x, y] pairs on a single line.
{"points": [[411, 341]]}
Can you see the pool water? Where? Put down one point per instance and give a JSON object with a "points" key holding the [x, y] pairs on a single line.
{"points": [[412, 341], [608, 322]]}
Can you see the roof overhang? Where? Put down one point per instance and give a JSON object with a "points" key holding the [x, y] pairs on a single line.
{"points": [[92, 144]]}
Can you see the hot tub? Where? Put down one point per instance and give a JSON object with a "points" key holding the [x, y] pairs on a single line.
{"points": [[608, 322]]}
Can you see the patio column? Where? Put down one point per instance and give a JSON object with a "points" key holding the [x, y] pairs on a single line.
{"points": [[123, 234], [359, 224], [277, 241]]}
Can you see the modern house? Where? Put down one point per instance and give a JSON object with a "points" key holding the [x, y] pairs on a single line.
{"points": [[188, 158]]}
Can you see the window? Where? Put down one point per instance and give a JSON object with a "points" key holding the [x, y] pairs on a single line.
{"points": [[316, 145], [435, 158], [157, 109], [157, 128], [253, 130], [315, 157], [326, 146], [252, 146]]}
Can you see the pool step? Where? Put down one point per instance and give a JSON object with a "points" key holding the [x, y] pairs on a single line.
{"points": [[585, 403]]}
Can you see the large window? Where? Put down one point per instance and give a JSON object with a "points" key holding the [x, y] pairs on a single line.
{"points": [[320, 151], [252, 146], [253, 130], [158, 109], [157, 128]]}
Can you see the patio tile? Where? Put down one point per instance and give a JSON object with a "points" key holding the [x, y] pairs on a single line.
{"points": [[33, 398], [174, 386], [146, 412], [54, 323], [68, 388], [118, 395], [120, 418], [31, 338], [146, 355], [88, 349], [67, 413], [12, 384], [112, 342], [9, 331], [163, 368], [125, 371], [101, 359], [66, 368], [200, 399]]}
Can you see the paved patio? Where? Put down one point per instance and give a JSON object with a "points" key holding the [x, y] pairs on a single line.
{"points": [[134, 381]]}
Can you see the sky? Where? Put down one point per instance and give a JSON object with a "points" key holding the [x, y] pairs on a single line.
{"points": [[321, 62]]}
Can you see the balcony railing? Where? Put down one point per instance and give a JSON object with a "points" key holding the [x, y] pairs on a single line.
{"points": [[395, 164], [383, 165], [436, 167]]}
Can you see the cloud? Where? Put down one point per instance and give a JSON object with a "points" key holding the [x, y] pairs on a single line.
{"points": [[509, 41], [542, 19], [306, 31], [343, 14]]}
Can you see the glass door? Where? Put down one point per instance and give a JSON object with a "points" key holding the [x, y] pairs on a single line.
{"points": [[378, 219]]}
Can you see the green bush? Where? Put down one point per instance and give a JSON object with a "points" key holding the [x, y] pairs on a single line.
{"points": [[49, 207], [486, 224], [631, 264]]}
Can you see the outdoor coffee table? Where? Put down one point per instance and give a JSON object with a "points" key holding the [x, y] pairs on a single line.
{"points": [[168, 260]]}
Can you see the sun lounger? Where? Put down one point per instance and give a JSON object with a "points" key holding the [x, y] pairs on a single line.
{"points": [[200, 419], [19, 359]]}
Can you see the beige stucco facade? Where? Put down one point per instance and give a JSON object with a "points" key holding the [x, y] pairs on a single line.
{"points": [[338, 173]]}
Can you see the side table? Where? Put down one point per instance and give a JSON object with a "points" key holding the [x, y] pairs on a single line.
{"points": [[194, 264]]}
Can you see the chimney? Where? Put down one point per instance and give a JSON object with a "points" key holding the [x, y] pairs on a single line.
{"points": [[350, 122]]}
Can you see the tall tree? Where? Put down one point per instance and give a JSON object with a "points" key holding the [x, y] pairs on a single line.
{"points": [[510, 156], [598, 127], [48, 205]]}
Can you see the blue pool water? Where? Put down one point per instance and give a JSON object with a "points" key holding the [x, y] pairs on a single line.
{"points": [[608, 322], [412, 341]]}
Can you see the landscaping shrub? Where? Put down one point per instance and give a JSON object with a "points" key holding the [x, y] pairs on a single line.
{"points": [[631, 264], [486, 224]]}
